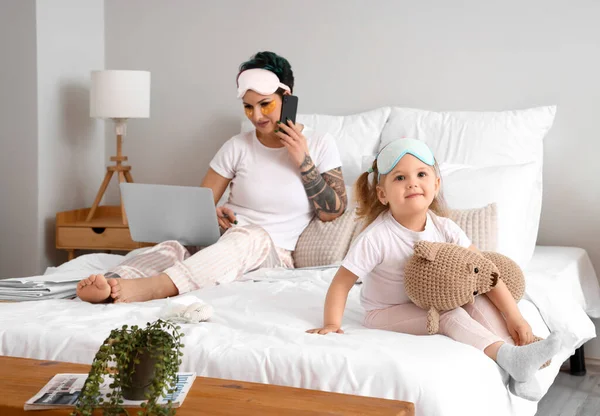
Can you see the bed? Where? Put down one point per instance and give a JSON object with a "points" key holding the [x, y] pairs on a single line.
{"points": [[257, 334], [258, 330]]}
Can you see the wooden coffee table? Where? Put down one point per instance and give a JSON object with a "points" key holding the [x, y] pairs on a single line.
{"points": [[21, 379]]}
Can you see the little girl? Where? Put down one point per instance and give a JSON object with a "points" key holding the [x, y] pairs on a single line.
{"points": [[400, 206]]}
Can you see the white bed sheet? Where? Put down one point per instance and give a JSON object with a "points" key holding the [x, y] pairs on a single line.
{"points": [[567, 270], [257, 334]]}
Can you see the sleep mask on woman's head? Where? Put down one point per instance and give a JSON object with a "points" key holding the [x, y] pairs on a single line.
{"points": [[391, 154], [260, 80]]}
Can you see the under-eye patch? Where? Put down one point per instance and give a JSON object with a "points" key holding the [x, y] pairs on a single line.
{"points": [[268, 108]]}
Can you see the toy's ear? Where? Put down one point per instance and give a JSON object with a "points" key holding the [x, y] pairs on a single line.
{"points": [[427, 250]]}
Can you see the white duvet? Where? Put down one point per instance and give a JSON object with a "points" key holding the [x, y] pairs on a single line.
{"points": [[257, 334]]}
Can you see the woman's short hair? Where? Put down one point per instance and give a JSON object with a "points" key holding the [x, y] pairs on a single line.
{"points": [[274, 63]]}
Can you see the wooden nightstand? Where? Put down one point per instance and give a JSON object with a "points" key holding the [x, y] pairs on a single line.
{"points": [[105, 231]]}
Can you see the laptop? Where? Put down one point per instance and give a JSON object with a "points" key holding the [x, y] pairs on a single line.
{"points": [[158, 213]]}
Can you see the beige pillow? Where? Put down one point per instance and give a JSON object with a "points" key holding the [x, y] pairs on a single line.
{"points": [[325, 243], [480, 225]]}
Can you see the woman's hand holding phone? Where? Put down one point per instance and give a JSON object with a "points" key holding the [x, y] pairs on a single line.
{"points": [[292, 138]]}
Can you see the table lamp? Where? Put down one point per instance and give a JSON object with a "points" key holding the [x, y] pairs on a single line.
{"points": [[118, 95]]}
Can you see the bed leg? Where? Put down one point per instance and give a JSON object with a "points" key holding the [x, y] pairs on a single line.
{"points": [[577, 362]]}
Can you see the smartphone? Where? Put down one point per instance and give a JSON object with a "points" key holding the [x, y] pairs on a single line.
{"points": [[289, 107]]}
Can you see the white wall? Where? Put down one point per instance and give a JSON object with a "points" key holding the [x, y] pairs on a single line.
{"points": [[18, 139], [70, 44], [350, 56], [52, 153]]}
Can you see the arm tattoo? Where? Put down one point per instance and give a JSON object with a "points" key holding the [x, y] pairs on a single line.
{"points": [[327, 192], [306, 162], [335, 180], [310, 175]]}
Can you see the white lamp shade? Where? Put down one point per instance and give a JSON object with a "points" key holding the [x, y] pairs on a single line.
{"points": [[120, 94]]}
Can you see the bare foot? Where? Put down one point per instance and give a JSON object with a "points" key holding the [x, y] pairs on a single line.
{"points": [[140, 290], [94, 289]]}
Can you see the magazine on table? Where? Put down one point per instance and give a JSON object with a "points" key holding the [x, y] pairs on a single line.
{"points": [[63, 390]]}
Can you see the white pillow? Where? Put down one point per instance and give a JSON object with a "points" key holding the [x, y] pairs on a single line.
{"points": [[511, 187], [356, 135], [481, 138], [476, 138]]}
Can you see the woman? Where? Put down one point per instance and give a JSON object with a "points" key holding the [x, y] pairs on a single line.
{"points": [[281, 175]]}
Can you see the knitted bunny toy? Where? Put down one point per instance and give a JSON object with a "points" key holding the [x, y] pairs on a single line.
{"points": [[442, 276]]}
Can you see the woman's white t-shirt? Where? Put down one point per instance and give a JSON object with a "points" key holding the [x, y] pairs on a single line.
{"points": [[266, 186], [380, 252]]}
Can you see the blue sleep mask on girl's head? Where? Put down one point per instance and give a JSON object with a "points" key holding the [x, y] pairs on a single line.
{"points": [[391, 154]]}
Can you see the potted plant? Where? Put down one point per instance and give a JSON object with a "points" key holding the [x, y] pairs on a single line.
{"points": [[143, 364]]}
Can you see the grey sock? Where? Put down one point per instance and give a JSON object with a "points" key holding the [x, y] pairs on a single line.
{"points": [[523, 362], [528, 390]]}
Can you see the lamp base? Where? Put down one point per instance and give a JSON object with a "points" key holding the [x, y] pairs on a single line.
{"points": [[123, 173]]}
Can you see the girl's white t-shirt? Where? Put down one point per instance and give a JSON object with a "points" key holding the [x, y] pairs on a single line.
{"points": [[380, 252], [266, 186]]}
